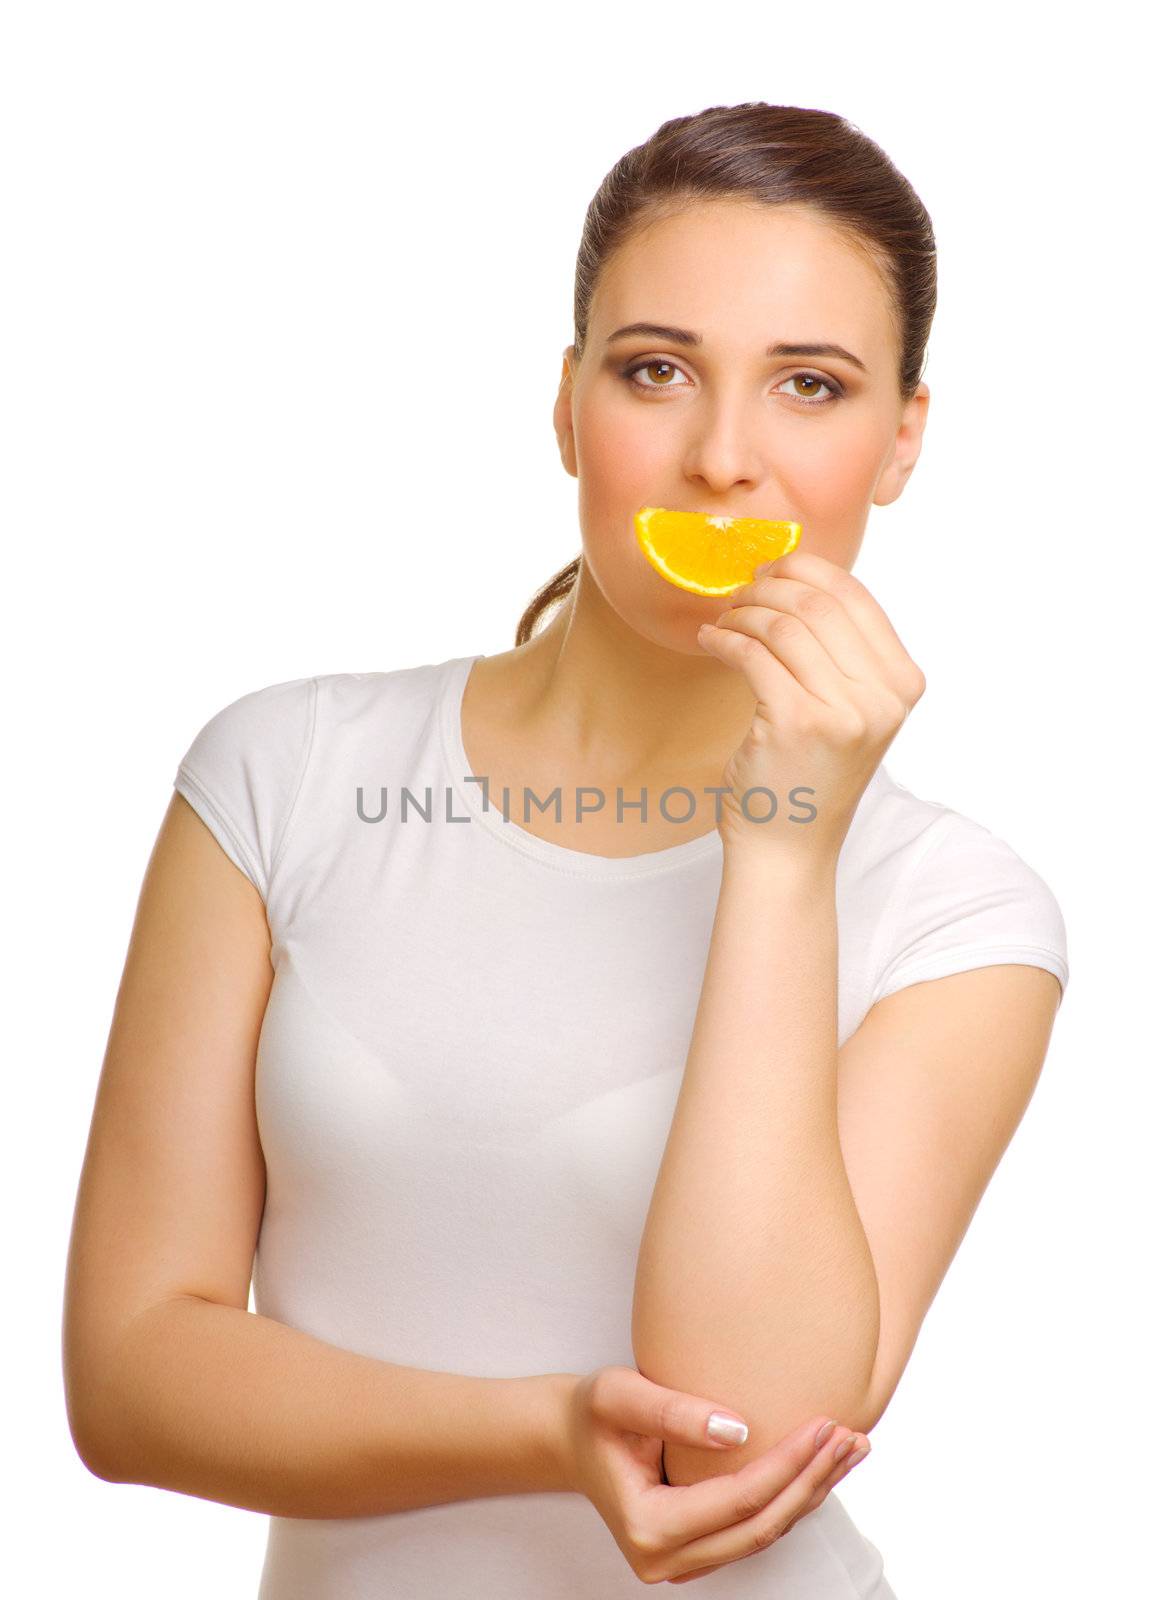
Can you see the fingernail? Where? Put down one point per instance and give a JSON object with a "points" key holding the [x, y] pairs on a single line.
{"points": [[726, 1430], [844, 1446], [857, 1455], [823, 1434]]}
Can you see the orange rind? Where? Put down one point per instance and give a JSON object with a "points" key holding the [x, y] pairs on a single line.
{"points": [[710, 555]]}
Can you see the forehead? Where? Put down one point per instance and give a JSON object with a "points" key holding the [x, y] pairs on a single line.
{"points": [[744, 275]]}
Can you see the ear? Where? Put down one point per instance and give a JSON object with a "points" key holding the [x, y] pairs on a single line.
{"points": [[908, 443], [564, 423]]}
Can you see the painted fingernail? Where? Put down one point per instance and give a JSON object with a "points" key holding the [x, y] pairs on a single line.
{"points": [[856, 1456], [726, 1430], [823, 1434], [844, 1446]]}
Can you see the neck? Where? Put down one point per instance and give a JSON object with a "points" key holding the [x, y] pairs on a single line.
{"points": [[610, 702]]}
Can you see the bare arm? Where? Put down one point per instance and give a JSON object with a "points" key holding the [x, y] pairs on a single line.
{"points": [[755, 1278], [169, 1379], [928, 1092], [209, 1400], [810, 1198]]}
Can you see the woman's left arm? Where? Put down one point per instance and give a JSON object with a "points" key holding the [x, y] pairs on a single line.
{"points": [[755, 1282], [810, 1199]]}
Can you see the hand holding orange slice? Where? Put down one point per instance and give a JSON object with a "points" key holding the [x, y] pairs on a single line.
{"points": [[711, 555]]}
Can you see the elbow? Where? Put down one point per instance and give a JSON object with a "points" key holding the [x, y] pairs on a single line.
{"points": [[91, 1447], [776, 1397], [86, 1383], [869, 1412], [95, 1374], [865, 1417], [94, 1463], [770, 1424]]}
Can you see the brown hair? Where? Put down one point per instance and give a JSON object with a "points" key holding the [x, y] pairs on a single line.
{"points": [[776, 155]]}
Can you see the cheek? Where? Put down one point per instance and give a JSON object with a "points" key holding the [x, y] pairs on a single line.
{"points": [[622, 460], [830, 476], [620, 447]]}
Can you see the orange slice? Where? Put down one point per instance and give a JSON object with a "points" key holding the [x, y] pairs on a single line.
{"points": [[710, 555]]}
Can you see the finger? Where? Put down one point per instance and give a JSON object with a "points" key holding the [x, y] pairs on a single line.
{"points": [[898, 667], [772, 682], [842, 1468], [845, 1466], [754, 1532], [692, 1510], [827, 616], [627, 1401], [795, 646], [765, 1528]]}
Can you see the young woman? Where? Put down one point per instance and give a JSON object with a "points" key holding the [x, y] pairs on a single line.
{"points": [[551, 1133]]}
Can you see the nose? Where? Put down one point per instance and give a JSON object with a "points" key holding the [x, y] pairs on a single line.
{"points": [[722, 451]]}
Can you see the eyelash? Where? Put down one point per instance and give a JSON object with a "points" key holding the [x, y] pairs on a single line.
{"points": [[835, 389]]}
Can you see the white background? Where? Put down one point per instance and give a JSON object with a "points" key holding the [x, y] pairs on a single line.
{"points": [[285, 292]]}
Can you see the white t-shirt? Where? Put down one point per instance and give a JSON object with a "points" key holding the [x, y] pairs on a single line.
{"points": [[466, 1076]]}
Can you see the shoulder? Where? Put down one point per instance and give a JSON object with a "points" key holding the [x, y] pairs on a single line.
{"points": [[248, 768], [920, 839], [403, 690], [955, 895], [242, 769], [281, 718], [264, 718]]}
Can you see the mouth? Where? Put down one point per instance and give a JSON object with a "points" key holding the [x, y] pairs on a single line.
{"points": [[725, 519]]}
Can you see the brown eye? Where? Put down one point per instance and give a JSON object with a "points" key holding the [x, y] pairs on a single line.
{"points": [[801, 380], [654, 368], [810, 385]]}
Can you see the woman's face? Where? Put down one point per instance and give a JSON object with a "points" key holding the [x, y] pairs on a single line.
{"points": [[714, 423]]}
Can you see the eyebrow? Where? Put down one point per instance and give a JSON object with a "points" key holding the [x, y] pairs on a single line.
{"points": [[658, 330]]}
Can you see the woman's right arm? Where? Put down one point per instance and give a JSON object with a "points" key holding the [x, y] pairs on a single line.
{"points": [[215, 1401], [169, 1379]]}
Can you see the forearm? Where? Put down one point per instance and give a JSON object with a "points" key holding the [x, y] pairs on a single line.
{"points": [[755, 1285], [217, 1402]]}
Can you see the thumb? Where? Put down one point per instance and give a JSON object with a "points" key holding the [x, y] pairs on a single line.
{"points": [[629, 1401]]}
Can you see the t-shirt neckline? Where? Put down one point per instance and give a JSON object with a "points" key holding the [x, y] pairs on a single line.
{"points": [[579, 863]]}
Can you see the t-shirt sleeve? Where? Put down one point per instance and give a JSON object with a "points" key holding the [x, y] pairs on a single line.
{"points": [[969, 901], [242, 773]]}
